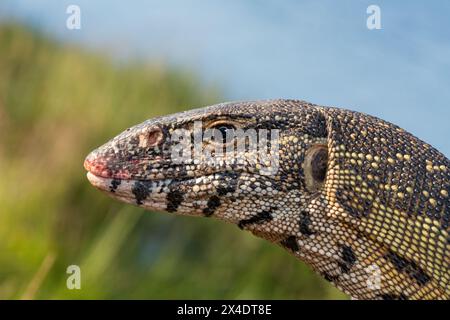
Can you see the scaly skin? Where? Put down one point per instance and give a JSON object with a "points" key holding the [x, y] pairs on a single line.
{"points": [[360, 200]]}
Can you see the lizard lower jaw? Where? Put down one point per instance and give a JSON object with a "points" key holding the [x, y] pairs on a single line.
{"points": [[157, 195], [123, 190], [98, 182]]}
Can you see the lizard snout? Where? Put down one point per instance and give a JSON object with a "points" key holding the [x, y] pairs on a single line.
{"points": [[103, 168], [96, 165]]}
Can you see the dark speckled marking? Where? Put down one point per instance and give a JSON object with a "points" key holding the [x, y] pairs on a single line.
{"points": [[346, 196], [348, 259], [174, 199], [211, 206], [115, 183], [259, 218], [304, 224], [318, 127], [228, 184], [390, 296], [329, 277], [290, 243], [408, 267], [141, 191], [222, 190]]}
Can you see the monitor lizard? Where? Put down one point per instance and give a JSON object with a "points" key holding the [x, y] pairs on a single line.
{"points": [[360, 200]]}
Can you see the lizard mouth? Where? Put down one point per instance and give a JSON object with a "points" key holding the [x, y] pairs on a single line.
{"points": [[165, 189], [99, 167], [118, 182], [151, 193]]}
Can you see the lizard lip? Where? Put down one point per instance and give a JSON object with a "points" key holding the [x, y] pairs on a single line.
{"points": [[95, 167]]}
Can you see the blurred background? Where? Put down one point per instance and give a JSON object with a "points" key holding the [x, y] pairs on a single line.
{"points": [[65, 91]]}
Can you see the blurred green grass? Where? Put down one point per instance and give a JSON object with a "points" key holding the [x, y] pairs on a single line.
{"points": [[58, 102]]}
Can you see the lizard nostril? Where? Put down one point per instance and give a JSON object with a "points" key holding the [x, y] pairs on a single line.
{"points": [[155, 137], [151, 138]]}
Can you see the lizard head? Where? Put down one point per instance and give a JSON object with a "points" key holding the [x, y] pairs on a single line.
{"points": [[254, 164], [343, 191]]}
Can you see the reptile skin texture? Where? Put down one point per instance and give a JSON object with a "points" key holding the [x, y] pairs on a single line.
{"points": [[360, 200]]}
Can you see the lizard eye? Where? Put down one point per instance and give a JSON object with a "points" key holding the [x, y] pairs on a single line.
{"points": [[224, 128], [315, 167]]}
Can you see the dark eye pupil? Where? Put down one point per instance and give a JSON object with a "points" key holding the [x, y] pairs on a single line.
{"points": [[224, 129]]}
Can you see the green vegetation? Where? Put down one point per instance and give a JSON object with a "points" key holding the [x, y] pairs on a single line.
{"points": [[57, 103]]}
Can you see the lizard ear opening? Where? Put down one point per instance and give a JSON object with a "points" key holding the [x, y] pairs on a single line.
{"points": [[315, 167]]}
